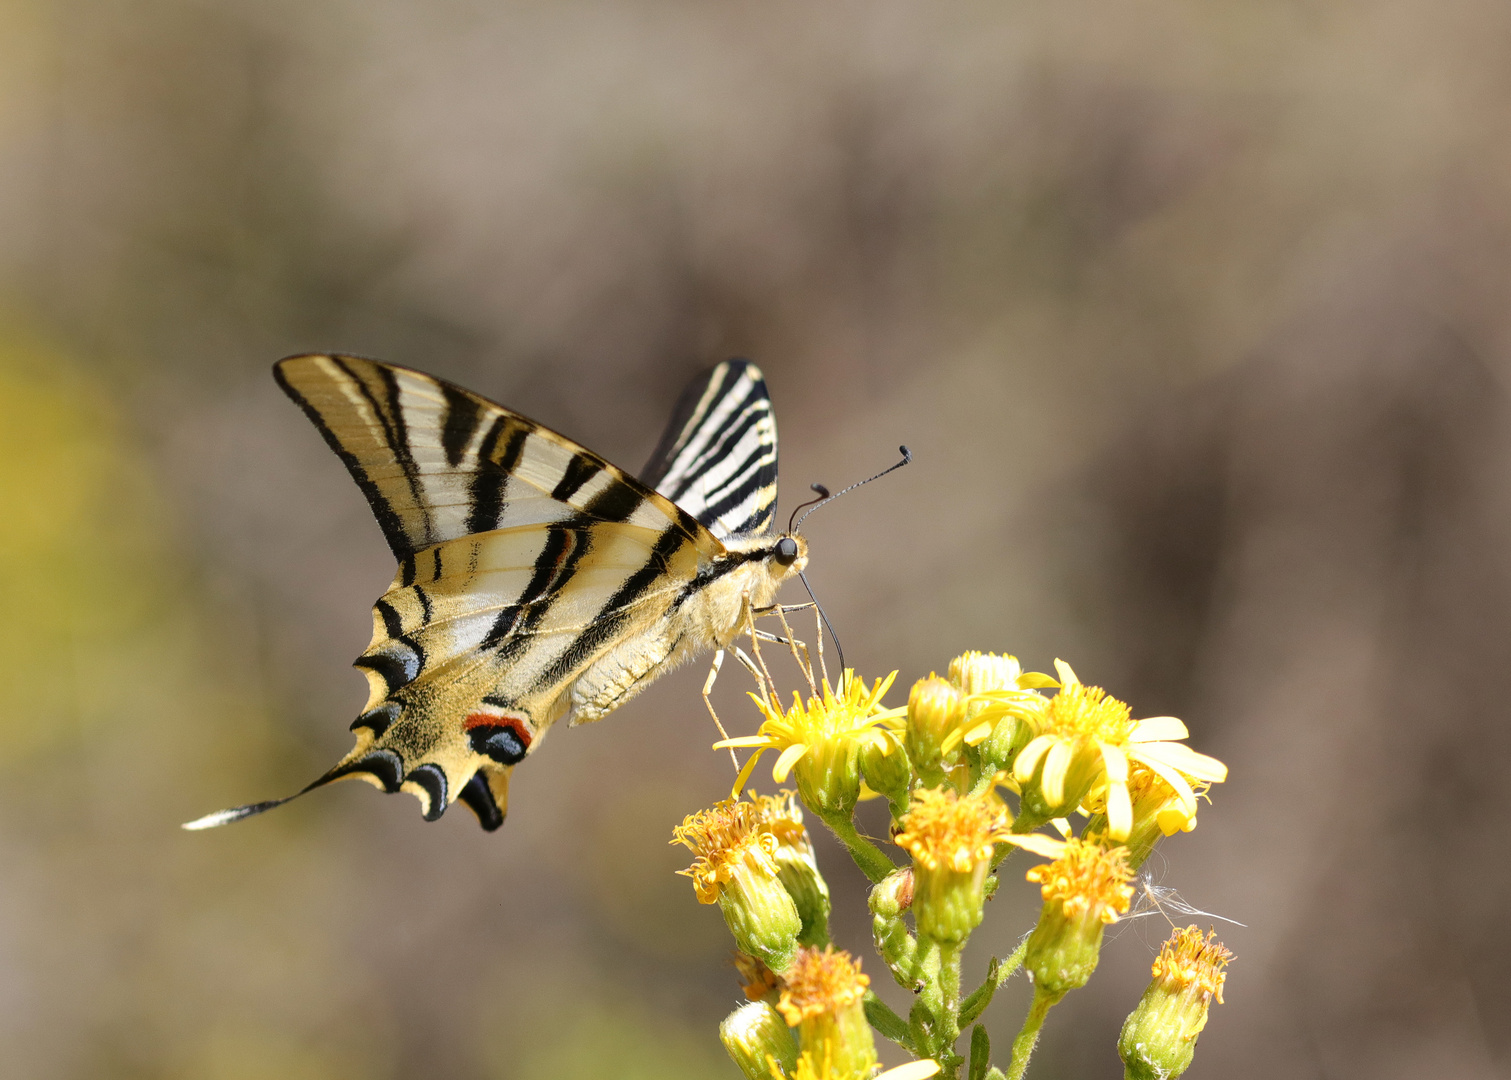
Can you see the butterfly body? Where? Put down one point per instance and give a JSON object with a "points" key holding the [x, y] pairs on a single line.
{"points": [[536, 581]]}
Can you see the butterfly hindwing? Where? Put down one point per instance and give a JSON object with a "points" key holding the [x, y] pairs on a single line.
{"points": [[717, 459]]}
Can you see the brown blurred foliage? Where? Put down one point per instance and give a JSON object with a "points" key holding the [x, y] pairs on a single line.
{"points": [[1192, 314]]}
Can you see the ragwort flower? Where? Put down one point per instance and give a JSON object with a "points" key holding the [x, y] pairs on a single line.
{"points": [[951, 838], [824, 999], [1084, 888], [1087, 737], [820, 741], [736, 868], [1159, 1037]]}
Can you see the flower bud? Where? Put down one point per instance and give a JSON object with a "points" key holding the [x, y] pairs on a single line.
{"points": [[1159, 1036], [935, 712], [892, 895], [886, 769], [951, 838], [977, 672], [797, 869], [824, 999], [756, 1036], [737, 869]]}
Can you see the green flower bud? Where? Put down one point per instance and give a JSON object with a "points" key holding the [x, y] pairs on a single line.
{"points": [[756, 1035], [935, 712], [886, 769], [892, 895], [1159, 1036], [798, 872]]}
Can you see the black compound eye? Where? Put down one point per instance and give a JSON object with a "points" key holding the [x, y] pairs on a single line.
{"points": [[785, 551]]}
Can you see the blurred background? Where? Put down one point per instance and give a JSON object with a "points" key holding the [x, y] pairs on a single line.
{"points": [[1193, 314]]}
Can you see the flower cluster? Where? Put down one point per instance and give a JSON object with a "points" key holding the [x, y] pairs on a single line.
{"points": [[1062, 748]]}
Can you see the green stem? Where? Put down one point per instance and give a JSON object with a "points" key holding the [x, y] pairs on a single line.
{"points": [[872, 862], [1023, 1045], [947, 1028]]}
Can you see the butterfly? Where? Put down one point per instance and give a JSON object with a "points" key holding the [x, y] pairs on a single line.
{"points": [[536, 581]]}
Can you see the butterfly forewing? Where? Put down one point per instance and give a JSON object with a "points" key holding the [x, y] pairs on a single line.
{"points": [[717, 459], [437, 462]]}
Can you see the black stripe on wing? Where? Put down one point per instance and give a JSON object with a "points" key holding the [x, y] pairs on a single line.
{"points": [[718, 457], [437, 462]]}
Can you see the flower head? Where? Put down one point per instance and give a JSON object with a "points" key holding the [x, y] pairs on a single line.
{"points": [[1159, 1036], [736, 867], [1087, 738], [820, 740], [823, 998], [1085, 887], [951, 838]]}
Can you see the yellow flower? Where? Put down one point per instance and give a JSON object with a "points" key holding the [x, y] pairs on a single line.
{"points": [[1086, 737], [1159, 1036], [1084, 888], [1158, 810], [820, 741], [736, 867], [951, 838], [824, 999]]}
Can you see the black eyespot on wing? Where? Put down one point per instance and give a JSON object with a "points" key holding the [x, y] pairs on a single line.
{"points": [[378, 720], [432, 780], [785, 551], [500, 743], [386, 765], [477, 795]]}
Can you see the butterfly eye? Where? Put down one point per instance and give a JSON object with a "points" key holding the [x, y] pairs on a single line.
{"points": [[785, 551]]}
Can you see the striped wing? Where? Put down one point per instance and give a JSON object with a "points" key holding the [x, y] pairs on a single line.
{"points": [[437, 462], [717, 460], [525, 562]]}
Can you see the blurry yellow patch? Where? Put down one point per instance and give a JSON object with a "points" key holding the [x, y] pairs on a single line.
{"points": [[77, 558]]}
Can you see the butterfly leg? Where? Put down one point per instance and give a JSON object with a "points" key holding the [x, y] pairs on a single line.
{"points": [[708, 686]]}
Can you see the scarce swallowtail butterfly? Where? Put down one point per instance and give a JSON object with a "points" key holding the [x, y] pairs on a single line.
{"points": [[536, 581]]}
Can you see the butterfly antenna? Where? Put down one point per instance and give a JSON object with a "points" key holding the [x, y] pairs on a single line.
{"points": [[907, 456], [833, 636], [823, 493]]}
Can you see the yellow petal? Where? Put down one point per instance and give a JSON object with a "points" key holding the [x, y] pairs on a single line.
{"points": [[1119, 811], [1062, 826], [1036, 680], [1028, 759], [745, 772], [788, 759], [1067, 676], [1158, 729], [977, 735], [1182, 757], [1115, 761], [1038, 843], [1052, 780], [913, 1070], [744, 741]]}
